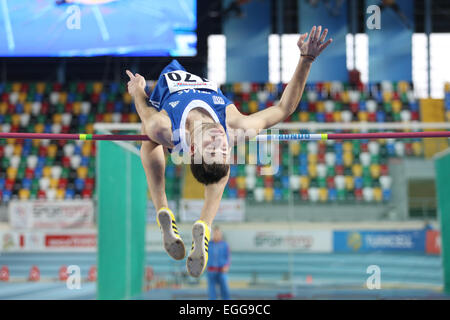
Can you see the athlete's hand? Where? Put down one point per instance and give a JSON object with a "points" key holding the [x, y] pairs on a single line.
{"points": [[136, 85], [315, 44]]}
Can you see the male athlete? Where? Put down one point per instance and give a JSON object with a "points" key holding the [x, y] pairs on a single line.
{"points": [[190, 115]]}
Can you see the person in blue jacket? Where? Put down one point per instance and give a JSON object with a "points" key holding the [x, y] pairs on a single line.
{"points": [[218, 265]]}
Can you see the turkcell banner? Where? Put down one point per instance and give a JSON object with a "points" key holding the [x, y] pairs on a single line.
{"points": [[229, 210], [369, 241], [42, 214]]}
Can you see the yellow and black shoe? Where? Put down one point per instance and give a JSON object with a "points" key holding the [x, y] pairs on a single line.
{"points": [[171, 238], [198, 258]]}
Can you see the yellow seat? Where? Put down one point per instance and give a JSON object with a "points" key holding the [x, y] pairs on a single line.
{"points": [[16, 86], [54, 183], [15, 119], [47, 171], [304, 182], [357, 170], [39, 128], [240, 182], [3, 107], [337, 116], [403, 86], [51, 150], [62, 97], [345, 97], [126, 98], [237, 88], [347, 158], [24, 194], [312, 158], [312, 170], [304, 116], [375, 170], [347, 146], [22, 97], [253, 106], [363, 116], [320, 106], [396, 106], [76, 108], [270, 87], [11, 173], [323, 194], [417, 147], [378, 194], [268, 194], [82, 172], [86, 150], [387, 96], [60, 194], [107, 117], [17, 150], [40, 87], [133, 117], [57, 118], [90, 128], [27, 107], [295, 148], [98, 87], [349, 183]]}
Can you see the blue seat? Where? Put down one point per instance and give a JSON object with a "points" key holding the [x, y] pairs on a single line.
{"points": [[69, 194], [332, 194], [79, 184], [387, 194], [26, 183]]}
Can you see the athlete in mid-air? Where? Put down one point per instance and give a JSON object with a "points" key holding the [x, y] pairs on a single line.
{"points": [[189, 114]]}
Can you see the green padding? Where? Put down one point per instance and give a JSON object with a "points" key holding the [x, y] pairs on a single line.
{"points": [[442, 165], [122, 198]]}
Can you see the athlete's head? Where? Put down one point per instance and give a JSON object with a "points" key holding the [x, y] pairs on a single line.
{"points": [[209, 153]]}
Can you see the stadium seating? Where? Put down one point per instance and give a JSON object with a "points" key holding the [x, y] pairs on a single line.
{"points": [[329, 171]]}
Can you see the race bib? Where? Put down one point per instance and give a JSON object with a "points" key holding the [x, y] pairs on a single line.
{"points": [[181, 80]]}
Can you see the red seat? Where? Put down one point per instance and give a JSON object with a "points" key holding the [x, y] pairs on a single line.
{"points": [[232, 182], [89, 183], [339, 170], [62, 183], [68, 107], [41, 194], [358, 194], [9, 184], [304, 194], [29, 173], [66, 162], [86, 194], [268, 181], [242, 193]]}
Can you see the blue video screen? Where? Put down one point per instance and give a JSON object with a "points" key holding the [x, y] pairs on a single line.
{"points": [[83, 28]]}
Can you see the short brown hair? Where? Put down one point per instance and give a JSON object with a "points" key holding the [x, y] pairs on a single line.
{"points": [[209, 173]]}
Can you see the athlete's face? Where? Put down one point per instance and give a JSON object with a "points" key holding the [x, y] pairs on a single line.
{"points": [[211, 140]]}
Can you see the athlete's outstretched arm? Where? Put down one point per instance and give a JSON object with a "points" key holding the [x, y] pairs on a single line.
{"points": [[291, 96]]}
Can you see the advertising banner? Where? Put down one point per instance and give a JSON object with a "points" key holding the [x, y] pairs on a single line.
{"points": [[41, 214], [433, 242], [368, 241], [229, 210]]}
